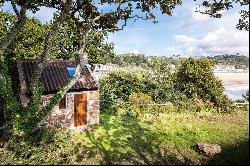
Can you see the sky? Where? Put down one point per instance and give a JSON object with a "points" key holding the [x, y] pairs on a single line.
{"points": [[186, 33]]}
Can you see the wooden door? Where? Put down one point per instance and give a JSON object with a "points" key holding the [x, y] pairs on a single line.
{"points": [[80, 115]]}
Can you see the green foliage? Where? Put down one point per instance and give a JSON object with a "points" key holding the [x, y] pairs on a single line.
{"points": [[239, 61], [166, 139], [30, 113], [215, 8], [246, 96], [29, 41], [161, 81], [44, 145], [140, 99], [66, 44], [20, 119], [98, 50], [156, 83], [192, 87], [196, 79], [6, 21], [29, 44], [12, 106], [120, 84], [194, 104], [243, 23], [140, 103], [130, 59], [245, 108]]}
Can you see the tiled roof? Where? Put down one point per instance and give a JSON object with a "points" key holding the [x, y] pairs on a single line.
{"points": [[55, 75]]}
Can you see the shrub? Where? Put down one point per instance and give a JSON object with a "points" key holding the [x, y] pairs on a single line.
{"points": [[161, 82], [140, 103], [164, 108], [195, 78], [246, 96], [44, 145], [119, 85]]}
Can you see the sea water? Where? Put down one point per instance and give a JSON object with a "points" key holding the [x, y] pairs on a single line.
{"points": [[236, 91]]}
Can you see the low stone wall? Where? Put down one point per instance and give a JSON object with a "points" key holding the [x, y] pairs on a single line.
{"points": [[93, 107], [65, 117]]}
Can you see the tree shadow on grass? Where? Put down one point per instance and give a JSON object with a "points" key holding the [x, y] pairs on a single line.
{"points": [[20, 145], [232, 155], [126, 142]]}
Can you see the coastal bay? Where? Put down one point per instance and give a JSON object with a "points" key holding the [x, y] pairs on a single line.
{"points": [[233, 78], [236, 84]]}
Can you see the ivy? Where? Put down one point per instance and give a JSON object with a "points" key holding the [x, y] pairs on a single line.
{"points": [[31, 111], [54, 101], [11, 105]]}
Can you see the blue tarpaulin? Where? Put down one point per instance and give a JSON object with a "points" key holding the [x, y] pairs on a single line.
{"points": [[71, 71]]}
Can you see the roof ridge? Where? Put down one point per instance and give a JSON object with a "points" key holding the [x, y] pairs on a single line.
{"points": [[55, 76]]}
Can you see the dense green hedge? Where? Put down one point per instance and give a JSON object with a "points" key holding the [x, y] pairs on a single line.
{"points": [[193, 86]]}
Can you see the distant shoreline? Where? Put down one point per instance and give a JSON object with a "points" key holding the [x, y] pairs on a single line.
{"points": [[233, 78]]}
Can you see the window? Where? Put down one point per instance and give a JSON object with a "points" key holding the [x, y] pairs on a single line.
{"points": [[62, 103]]}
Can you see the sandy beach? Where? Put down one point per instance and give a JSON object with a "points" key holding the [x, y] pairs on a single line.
{"points": [[233, 78]]}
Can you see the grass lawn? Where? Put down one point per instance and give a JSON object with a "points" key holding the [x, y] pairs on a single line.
{"points": [[168, 138]]}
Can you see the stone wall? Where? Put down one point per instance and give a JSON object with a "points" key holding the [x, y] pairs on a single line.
{"points": [[65, 117], [93, 108]]}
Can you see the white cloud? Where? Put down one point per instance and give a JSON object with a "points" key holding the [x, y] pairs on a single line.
{"points": [[44, 14], [194, 34], [221, 41], [184, 38], [197, 16], [135, 51]]}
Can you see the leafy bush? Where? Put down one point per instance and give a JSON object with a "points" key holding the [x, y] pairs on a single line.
{"points": [[140, 103], [120, 84], [165, 108], [161, 82], [44, 145], [246, 96], [225, 104], [193, 87], [196, 79]]}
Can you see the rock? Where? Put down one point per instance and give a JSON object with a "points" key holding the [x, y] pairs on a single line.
{"points": [[209, 149]]}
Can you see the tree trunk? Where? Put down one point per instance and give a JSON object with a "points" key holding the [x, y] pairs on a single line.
{"points": [[10, 36], [59, 95], [47, 49]]}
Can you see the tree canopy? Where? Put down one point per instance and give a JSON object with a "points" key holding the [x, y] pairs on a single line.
{"points": [[29, 42], [195, 79], [215, 8], [87, 18], [77, 29]]}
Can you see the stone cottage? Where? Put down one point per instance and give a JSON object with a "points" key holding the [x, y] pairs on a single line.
{"points": [[80, 105]]}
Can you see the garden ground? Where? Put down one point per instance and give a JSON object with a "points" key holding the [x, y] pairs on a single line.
{"points": [[168, 138]]}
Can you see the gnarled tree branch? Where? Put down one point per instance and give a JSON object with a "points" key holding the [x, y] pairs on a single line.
{"points": [[10, 36], [48, 43]]}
